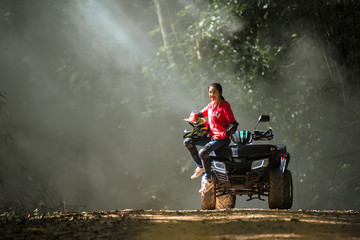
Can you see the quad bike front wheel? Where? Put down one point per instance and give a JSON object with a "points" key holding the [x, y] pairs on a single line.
{"points": [[281, 189], [226, 201], [208, 200]]}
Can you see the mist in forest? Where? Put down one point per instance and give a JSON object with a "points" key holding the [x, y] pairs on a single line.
{"points": [[79, 130]]}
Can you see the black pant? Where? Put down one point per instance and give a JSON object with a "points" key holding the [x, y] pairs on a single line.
{"points": [[201, 157]]}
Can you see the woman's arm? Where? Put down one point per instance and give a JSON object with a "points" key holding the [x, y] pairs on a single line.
{"points": [[231, 129]]}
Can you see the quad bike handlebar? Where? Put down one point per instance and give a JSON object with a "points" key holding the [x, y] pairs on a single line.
{"points": [[262, 135], [201, 129]]}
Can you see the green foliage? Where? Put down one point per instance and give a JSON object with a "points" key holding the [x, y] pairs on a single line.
{"points": [[8, 216], [36, 212], [296, 61]]}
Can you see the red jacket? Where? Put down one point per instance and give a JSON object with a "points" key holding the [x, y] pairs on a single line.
{"points": [[220, 116]]}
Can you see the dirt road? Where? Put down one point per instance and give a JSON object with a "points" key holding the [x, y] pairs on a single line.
{"points": [[157, 224]]}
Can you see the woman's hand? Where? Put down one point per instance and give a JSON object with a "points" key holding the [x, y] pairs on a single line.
{"points": [[193, 117], [215, 137]]}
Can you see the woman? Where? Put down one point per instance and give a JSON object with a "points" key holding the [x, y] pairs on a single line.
{"points": [[222, 125]]}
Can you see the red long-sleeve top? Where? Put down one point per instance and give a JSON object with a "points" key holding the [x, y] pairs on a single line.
{"points": [[219, 116]]}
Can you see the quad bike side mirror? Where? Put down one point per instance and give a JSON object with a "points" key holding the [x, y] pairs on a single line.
{"points": [[262, 118]]}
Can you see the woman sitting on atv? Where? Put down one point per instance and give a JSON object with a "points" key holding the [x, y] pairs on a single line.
{"points": [[222, 125]]}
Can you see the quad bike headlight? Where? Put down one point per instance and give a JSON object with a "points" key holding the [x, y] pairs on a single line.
{"points": [[220, 166], [259, 163]]}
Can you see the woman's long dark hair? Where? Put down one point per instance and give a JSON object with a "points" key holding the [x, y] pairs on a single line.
{"points": [[219, 88]]}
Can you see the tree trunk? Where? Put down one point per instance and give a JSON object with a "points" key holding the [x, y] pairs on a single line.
{"points": [[163, 31]]}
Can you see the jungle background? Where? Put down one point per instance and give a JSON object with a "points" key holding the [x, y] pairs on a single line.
{"points": [[93, 94]]}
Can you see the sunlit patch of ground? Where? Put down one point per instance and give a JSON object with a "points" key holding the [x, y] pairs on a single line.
{"points": [[249, 224]]}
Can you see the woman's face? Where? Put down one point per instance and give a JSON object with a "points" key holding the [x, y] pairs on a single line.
{"points": [[214, 94]]}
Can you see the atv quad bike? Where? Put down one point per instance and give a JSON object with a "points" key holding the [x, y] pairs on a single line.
{"points": [[255, 170]]}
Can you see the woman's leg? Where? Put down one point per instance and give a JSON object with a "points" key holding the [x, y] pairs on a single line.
{"points": [[191, 143], [205, 151]]}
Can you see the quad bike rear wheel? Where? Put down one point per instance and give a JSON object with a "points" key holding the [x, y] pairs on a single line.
{"points": [[227, 201]]}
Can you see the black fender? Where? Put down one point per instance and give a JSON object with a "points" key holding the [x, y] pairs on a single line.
{"points": [[281, 160], [284, 162]]}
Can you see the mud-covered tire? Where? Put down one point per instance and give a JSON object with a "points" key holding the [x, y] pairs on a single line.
{"points": [[288, 190], [227, 201], [274, 189], [208, 200], [280, 192]]}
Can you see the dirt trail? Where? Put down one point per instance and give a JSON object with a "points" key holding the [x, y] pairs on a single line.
{"points": [[165, 224]]}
